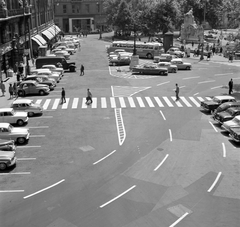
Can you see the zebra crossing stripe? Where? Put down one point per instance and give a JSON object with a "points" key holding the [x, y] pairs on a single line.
{"points": [[131, 102], [55, 104], [46, 104], [38, 101], [75, 103], [200, 99], [194, 101], [140, 102], [104, 102], [94, 103], [168, 101], [122, 102], [208, 98], [149, 101], [160, 104], [176, 101], [185, 101], [112, 101], [84, 106], [65, 105]]}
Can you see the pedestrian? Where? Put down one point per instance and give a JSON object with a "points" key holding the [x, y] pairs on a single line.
{"points": [[177, 92], [21, 67], [3, 89], [230, 86], [89, 97], [208, 55], [220, 51], [213, 49], [81, 70], [63, 99], [10, 89], [230, 59], [15, 90]]}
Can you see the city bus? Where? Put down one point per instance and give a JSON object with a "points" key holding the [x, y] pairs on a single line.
{"points": [[144, 49]]}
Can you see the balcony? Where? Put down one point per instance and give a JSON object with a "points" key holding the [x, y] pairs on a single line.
{"points": [[14, 12]]}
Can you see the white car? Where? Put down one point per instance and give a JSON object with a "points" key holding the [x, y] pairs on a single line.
{"points": [[47, 72], [175, 51], [234, 123], [7, 159], [53, 69], [65, 48], [9, 115], [62, 53], [171, 68], [180, 64]]}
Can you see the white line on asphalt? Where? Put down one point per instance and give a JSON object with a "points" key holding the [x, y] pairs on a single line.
{"points": [[194, 101], [12, 191], [112, 89], [202, 68], [223, 74], [105, 204], [28, 147], [215, 182], [162, 115], [44, 117], [160, 104], [170, 134], [51, 186], [188, 78], [163, 83], [161, 162], [224, 150], [206, 81], [213, 126], [104, 157], [236, 78], [17, 173], [180, 219], [39, 127], [35, 136], [216, 87], [181, 87], [196, 94], [25, 159]]}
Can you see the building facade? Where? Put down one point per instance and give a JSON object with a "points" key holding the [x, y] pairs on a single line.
{"points": [[73, 16], [25, 25]]}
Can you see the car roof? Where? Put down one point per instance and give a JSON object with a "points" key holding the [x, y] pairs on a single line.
{"points": [[5, 125], [22, 101], [224, 97], [5, 109], [176, 59], [28, 81], [49, 66]]}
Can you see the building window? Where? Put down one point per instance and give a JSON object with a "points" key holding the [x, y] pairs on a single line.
{"points": [[78, 8], [73, 8], [64, 8], [87, 8], [98, 7]]}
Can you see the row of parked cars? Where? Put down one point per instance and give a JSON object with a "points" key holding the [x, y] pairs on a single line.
{"points": [[225, 112]]}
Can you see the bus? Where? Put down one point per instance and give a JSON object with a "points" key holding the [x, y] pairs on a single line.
{"points": [[143, 49]]}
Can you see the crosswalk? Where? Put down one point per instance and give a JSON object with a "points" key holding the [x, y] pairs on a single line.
{"points": [[122, 102]]}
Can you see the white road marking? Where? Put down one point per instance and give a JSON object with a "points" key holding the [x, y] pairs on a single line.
{"points": [[224, 150], [140, 102], [208, 98], [46, 104], [176, 101], [28, 147], [170, 134], [35, 193], [55, 104], [120, 126], [161, 162], [196, 94], [215, 182], [11, 191], [94, 103], [223, 74], [84, 105], [113, 102], [200, 99], [39, 127], [131, 102], [167, 101], [163, 83], [75, 103], [25, 159], [216, 87], [160, 104], [206, 81], [104, 157], [149, 101], [185, 101], [65, 105], [36, 136], [180, 219], [162, 115], [213, 126], [38, 101], [17, 173], [103, 102], [44, 117], [202, 68], [122, 102], [194, 101], [117, 197], [181, 87], [189, 78]]}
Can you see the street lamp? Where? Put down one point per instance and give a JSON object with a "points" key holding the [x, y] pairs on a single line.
{"points": [[204, 23], [100, 11]]}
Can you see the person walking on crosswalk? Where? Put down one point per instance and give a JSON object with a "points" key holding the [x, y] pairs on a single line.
{"points": [[89, 97], [63, 99], [177, 92], [82, 70]]}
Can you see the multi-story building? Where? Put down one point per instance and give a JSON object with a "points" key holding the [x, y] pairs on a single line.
{"points": [[79, 15], [25, 25]]}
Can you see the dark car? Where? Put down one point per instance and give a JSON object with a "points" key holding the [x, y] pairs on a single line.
{"points": [[150, 68], [227, 115], [114, 61], [234, 133], [41, 80], [31, 87], [216, 101], [225, 106]]}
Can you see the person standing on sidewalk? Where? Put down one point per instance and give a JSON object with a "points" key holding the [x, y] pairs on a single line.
{"points": [[63, 99], [3, 89], [10, 89], [230, 86], [177, 92], [15, 90], [82, 70]]}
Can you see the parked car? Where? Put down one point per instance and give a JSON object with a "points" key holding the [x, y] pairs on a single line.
{"points": [[176, 51], [71, 51], [225, 106], [41, 80], [216, 101], [45, 78], [234, 133], [11, 116], [113, 61], [171, 68], [47, 72], [150, 69], [19, 135], [32, 87], [7, 159], [234, 123], [163, 58], [180, 64], [62, 53], [53, 69], [7, 145], [28, 106], [227, 115]]}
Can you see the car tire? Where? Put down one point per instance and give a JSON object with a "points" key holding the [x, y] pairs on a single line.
{"points": [[161, 73], [21, 93], [21, 140], [149, 56], [41, 92], [30, 114], [20, 122], [188, 68], [3, 166], [114, 64]]}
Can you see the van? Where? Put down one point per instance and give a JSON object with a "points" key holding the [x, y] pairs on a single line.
{"points": [[54, 60]]}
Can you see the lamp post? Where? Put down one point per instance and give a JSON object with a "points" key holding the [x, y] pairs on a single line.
{"points": [[99, 5], [204, 23]]}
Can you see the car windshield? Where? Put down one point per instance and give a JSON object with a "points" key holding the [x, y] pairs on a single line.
{"points": [[12, 112], [10, 127], [236, 120], [216, 100]]}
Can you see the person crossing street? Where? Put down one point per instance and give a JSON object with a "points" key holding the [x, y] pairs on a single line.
{"points": [[63, 99], [177, 92], [89, 97]]}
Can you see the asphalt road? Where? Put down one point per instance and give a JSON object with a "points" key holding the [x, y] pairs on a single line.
{"points": [[134, 158]]}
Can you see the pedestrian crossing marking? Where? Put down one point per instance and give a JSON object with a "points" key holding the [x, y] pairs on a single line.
{"points": [[149, 101], [140, 102], [208, 98], [113, 103], [84, 105], [194, 101], [176, 101], [122, 102], [47, 102], [168, 101], [131, 102], [65, 105], [185, 101], [104, 102], [94, 103], [201, 99], [160, 104], [126, 91], [39, 101], [55, 104]]}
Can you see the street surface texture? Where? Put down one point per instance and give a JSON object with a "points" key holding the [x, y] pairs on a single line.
{"points": [[135, 157]]}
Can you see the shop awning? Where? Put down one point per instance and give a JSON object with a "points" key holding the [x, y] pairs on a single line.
{"points": [[37, 41], [48, 34], [40, 40], [57, 28], [54, 32]]}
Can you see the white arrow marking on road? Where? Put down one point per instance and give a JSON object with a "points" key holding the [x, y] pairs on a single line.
{"points": [[161, 162], [215, 182]]}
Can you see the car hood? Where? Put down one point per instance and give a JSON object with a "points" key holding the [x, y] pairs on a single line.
{"points": [[16, 130], [230, 124], [6, 142], [210, 102], [7, 154], [20, 114]]}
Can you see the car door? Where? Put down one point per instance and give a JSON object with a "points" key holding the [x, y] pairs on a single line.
{"points": [[1, 116], [31, 88], [25, 88], [8, 117]]}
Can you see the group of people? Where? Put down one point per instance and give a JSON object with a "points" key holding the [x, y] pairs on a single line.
{"points": [[12, 89]]}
